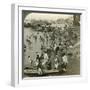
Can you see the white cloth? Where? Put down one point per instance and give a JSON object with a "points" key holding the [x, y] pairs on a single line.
{"points": [[56, 65], [39, 71], [56, 60], [36, 62], [55, 47], [45, 59], [65, 60]]}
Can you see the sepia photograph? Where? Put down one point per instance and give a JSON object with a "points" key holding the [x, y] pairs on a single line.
{"points": [[51, 44]]}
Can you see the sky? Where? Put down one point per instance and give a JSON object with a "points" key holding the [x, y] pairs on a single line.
{"points": [[47, 16]]}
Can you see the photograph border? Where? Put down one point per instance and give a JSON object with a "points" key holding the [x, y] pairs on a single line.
{"points": [[16, 43]]}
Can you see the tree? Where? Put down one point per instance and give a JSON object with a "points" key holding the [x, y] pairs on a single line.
{"points": [[76, 19]]}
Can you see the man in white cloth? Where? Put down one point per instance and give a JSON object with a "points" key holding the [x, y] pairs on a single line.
{"points": [[64, 62], [56, 63], [30, 61], [39, 66], [45, 60]]}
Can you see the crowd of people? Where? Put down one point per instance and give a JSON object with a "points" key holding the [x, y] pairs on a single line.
{"points": [[51, 59], [55, 42]]}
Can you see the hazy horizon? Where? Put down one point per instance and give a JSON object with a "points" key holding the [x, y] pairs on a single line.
{"points": [[47, 16]]}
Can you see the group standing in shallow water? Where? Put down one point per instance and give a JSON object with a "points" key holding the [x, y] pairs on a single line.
{"points": [[51, 60]]}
